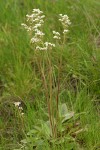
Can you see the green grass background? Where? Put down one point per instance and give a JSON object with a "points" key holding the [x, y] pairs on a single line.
{"points": [[81, 57]]}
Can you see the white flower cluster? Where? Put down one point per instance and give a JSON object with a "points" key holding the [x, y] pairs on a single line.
{"points": [[56, 35], [65, 31], [47, 46], [64, 19], [18, 105], [35, 21], [37, 37], [28, 28]]}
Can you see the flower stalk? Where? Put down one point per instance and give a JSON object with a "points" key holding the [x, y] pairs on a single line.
{"points": [[33, 26]]}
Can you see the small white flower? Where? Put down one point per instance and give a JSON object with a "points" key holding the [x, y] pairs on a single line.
{"points": [[20, 108], [47, 44], [22, 114], [65, 31], [39, 33], [43, 16], [37, 25], [60, 15], [23, 24], [35, 40], [36, 19], [41, 48], [37, 11], [53, 45], [36, 30], [26, 27], [38, 47], [60, 19], [41, 22], [56, 33], [56, 37], [17, 104]]}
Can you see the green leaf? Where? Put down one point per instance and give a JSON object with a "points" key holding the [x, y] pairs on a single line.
{"points": [[39, 142], [46, 130], [68, 116], [25, 141], [32, 132], [63, 110]]}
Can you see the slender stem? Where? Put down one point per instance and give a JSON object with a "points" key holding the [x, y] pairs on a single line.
{"points": [[51, 100], [47, 95], [58, 89]]}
